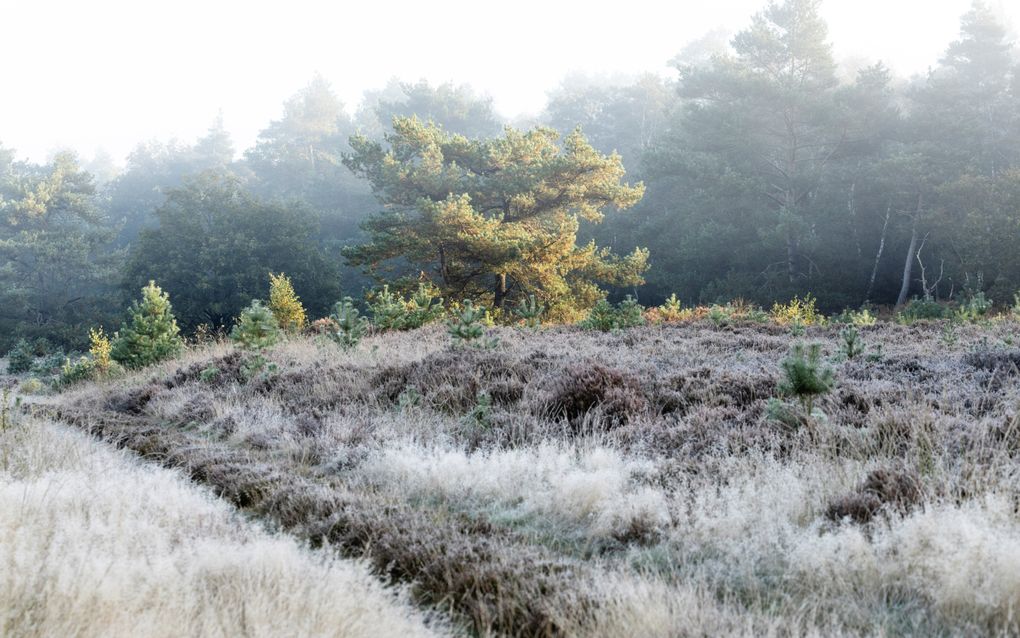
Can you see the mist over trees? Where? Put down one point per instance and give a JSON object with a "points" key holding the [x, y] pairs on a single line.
{"points": [[764, 174]]}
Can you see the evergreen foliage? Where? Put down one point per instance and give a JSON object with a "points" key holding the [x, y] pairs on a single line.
{"points": [[391, 311], [350, 326], [530, 311], [467, 326], [256, 327], [151, 333], [20, 358], [605, 317], [493, 218], [805, 376]]}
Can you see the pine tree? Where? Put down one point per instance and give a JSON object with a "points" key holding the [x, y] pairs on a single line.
{"points": [[256, 327], [151, 335], [285, 304]]}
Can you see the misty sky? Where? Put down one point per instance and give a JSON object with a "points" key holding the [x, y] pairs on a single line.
{"points": [[104, 74]]}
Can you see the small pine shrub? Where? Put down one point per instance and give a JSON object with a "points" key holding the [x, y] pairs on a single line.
{"points": [[285, 304], [630, 314], [49, 365], [390, 311], [424, 307], [805, 377], [529, 311], [77, 371], [151, 335], [976, 307], [852, 345], [350, 327], [797, 311], [601, 317], [720, 315], [671, 310], [480, 415], [860, 318], [20, 358], [918, 309], [467, 326], [604, 317], [256, 328], [209, 374], [42, 347]]}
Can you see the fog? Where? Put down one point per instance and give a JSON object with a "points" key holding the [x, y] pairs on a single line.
{"points": [[107, 75]]}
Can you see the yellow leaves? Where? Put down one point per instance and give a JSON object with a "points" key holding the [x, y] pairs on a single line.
{"points": [[285, 304], [100, 349]]}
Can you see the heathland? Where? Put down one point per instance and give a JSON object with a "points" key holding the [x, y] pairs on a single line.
{"points": [[671, 479]]}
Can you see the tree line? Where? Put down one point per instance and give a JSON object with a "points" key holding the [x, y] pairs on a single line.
{"points": [[762, 170]]}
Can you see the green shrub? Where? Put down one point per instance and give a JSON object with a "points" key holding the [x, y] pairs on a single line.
{"points": [[630, 314], [349, 327], [601, 317], [77, 371], [49, 365], [852, 345], [209, 374], [804, 376], [918, 309], [151, 335], [859, 318], [391, 311], [530, 312], [20, 358], [604, 317], [467, 327], [976, 307], [671, 310], [256, 328]]}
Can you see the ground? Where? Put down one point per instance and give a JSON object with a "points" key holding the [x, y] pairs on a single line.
{"points": [[576, 483]]}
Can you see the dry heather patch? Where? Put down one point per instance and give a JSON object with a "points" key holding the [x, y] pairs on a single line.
{"points": [[525, 512], [95, 544]]}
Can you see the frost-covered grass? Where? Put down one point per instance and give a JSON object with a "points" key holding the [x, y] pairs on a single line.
{"points": [[622, 484], [94, 543]]}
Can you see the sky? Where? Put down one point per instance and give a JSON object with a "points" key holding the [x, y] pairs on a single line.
{"points": [[104, 74]]}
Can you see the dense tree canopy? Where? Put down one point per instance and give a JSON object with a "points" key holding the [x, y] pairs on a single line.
{"points": [[216, 245], [494, 219], [765, 169], [56, 258]]}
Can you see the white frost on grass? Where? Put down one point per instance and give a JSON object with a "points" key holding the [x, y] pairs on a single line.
{"points": [[595, 492], [93, 543]]}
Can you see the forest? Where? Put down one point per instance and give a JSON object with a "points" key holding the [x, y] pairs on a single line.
{"points": [[764, 169]]}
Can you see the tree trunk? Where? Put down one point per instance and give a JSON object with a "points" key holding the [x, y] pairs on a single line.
{"points": [[499, 294], [909, 263], [878, 258], [791, 258]]}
